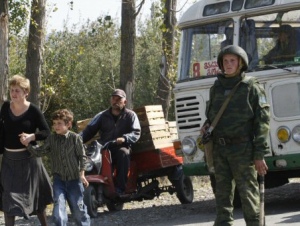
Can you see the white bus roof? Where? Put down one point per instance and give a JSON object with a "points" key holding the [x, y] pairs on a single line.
{"points": [[195, 13]]}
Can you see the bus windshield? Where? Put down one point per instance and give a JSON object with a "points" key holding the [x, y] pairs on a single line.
{"points": [[271, 41]]}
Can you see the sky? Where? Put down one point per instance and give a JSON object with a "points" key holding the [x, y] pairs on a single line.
{"points": [[85, 9], [91, 9]]}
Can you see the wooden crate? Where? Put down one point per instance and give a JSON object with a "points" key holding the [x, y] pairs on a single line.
{"points": [[150, 115], [156, 132], [156, 159], [142, 146], [153, 137], [172, 128], [81, 126]]}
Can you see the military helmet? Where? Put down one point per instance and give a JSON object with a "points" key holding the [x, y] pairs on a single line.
{"points": [[236, 50]]}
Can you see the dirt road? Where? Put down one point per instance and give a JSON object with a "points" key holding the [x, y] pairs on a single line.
{"points": [[282, 208]]}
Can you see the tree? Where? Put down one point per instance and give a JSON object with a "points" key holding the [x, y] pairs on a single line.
{"points": [[128, 37], [13, 15], [81, 68], [34, 58], [3, 49], [148, 56], [167, 70], [127, 61]]}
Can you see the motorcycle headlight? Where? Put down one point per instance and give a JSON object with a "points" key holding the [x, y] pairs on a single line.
{"points": [[296, 134], [88, 165], [188, 145], [283, 134]]}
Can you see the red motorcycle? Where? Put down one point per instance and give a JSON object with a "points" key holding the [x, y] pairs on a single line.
{"points": [[146, 168]]}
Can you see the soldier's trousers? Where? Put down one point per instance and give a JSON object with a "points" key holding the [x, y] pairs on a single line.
{"points": [[234, 166]]}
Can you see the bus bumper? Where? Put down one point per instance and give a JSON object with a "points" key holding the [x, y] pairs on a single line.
{"points": [[283, 162], [195, 169]]}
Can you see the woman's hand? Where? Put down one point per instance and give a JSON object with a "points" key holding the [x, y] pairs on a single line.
{"points": [[26, 138]]}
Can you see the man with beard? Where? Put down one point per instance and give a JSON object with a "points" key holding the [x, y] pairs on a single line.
{"points": [[120, 124]]}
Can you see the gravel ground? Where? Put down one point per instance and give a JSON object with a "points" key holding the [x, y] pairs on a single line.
{"points": [[159, 210], [142, 213]]}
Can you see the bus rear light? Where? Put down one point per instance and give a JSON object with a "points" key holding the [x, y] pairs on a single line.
{"points": [[281, 163], [296, 133], [283, 134]]}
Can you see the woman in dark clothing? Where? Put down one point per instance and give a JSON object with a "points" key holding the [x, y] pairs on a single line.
{"points": [[26, 184]]}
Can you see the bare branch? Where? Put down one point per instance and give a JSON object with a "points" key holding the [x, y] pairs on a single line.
{"points": [[139, 7]]}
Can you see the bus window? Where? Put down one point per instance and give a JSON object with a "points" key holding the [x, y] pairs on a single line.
{"points": [[271, 39], [200, 48], [248, 42], [258, 3], [237, 5], [217, 8], [279, 97]]}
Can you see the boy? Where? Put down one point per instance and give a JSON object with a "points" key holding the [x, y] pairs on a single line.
{"points": [[67, 159]]}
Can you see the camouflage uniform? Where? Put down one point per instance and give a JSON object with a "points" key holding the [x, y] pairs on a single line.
{"points": [[240, 137]]}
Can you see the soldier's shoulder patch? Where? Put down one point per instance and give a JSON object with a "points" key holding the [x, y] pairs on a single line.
{"points": [[261, 88], [262, 100]]}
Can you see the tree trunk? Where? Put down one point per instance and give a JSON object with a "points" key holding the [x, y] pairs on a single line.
{"points": [[3, 50], [127, 60], [164, 84], [34, 58]]}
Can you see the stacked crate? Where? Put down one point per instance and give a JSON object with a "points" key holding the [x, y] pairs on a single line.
{"points": [[81, 126], [171, 127], [155, 133], [155, 150]]}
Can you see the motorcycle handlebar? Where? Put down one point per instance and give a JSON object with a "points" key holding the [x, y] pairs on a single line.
{"points": [[109, 143]]}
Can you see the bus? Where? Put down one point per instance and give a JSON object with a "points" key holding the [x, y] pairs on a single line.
{"points": [[256, 26]]}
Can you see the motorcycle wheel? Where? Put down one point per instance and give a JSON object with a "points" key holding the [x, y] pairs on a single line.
{"points": [[184, 189], [114, 206], [90, 200]]}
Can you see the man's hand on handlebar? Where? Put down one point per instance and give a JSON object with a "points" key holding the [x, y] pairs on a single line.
{"points": [[120, 140]]}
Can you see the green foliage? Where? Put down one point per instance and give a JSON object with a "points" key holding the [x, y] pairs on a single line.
{"points": [[19, 11], [80, 69], [17, 54], [148, 58]]}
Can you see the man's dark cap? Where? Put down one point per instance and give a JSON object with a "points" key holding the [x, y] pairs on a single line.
{"points": [[285, 29], [119, 92]]}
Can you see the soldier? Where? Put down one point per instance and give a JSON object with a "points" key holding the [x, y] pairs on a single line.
{"points": [[240, 137]]}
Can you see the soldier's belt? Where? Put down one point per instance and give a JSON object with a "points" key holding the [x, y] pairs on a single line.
{"points": [[229, 141]]}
